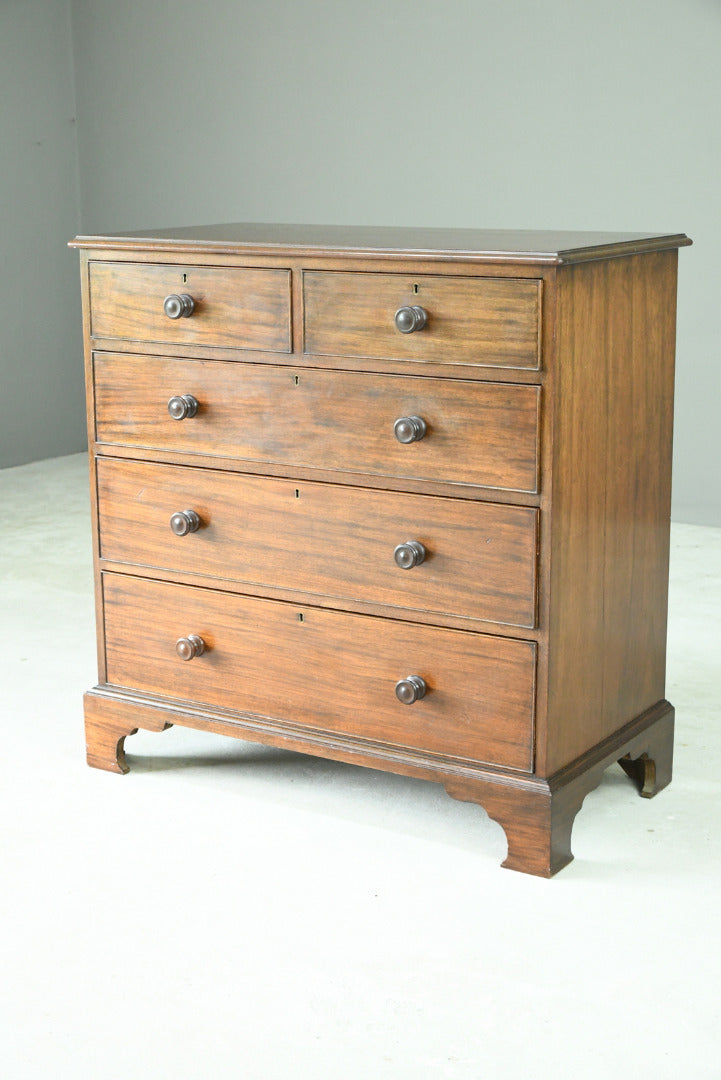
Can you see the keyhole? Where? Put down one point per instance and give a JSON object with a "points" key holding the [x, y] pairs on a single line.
{"points": [[415, 289], [300, 616], [296, 380], [185, 279]]}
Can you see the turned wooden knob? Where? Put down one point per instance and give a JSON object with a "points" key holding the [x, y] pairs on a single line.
{"points": [[408, 429], [411, 318], [189, 647], [182, 406], [179, 306], [184, 522], [411, 689], [410, 554]]}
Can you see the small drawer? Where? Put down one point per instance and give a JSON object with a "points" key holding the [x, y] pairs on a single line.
{"points": [[232, 307], [482, 322], [474, 433], [325, 670], [475, 560]]}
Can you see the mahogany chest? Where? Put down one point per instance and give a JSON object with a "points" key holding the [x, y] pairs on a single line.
{"points": [[395, 497]]}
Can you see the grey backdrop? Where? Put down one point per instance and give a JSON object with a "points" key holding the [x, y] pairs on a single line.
{"points": [[581, 114]]}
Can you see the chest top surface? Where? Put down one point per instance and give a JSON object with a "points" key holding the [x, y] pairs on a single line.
{"points": [[543, 247]]}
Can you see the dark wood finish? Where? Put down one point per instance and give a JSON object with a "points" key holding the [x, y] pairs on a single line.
{"points": [[649, 762], [536, 814], [485, 245], [470, 320], [331, 598], [538, 818], [612, 498], [478, 433], [323, 538], [106, 728], [235, 307], [328, 670]]}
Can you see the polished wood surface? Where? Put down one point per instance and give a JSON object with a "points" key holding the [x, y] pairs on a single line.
{"points": [[536, 814], [611, 504], [326, 669], [478, 433], [538, 818], [489, 245], [476, 321], [235, 307], [323, 538], [484, 605]]}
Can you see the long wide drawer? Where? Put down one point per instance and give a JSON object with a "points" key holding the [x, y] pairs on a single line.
{"points": [[324, 669], [482, 434], [478, 559], [233, 306], [482, 322]]}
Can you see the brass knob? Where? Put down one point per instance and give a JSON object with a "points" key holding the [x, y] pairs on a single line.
{"points": [[411, 689], [179, 306], [409, 429], [189, 647], [184, 522], [408, 319], [182, 406], [412, 553]]}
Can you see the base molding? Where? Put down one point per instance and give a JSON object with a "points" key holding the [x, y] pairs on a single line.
{"points": [[538, 820], [536, 813]]}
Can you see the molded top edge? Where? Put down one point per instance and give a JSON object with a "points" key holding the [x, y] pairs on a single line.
{"points": [[552, 246]]}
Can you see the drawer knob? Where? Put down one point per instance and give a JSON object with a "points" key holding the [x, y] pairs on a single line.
{"points": [[409, 429], [179, 306], [189, 647], [412, 553], [182, 406], [408, 319], [411, 689], [184, 522]]}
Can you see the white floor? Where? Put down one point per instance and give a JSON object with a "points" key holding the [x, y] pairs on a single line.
{"points": [[227, 910]]}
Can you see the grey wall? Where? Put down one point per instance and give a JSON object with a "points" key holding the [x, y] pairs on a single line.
{"points": [[41, 383], [497, 113]]}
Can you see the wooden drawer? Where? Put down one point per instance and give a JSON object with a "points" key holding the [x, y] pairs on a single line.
{"points": [[482, 434], [323, 538], [235, 307], [486, 322], [325, 669]]}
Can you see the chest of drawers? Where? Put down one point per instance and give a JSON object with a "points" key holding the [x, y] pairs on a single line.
{"points": [[394, 497]]}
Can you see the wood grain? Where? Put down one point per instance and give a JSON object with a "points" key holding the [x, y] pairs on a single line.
{"points": [[327, 670], [471, 320], [611, 505], [478, 433], [236, 307], [489, 246], [324, 539], [545, 377]]}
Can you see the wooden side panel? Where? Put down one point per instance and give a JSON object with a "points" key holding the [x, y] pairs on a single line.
{"points": [[235, 307], [476, 321], [478, 433], [613, 379], [575, 660], [325, 669], [324, 539], [642, 338]]}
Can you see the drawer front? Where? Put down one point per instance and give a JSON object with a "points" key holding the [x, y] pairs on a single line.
{"points": [[482, 434], [486, 322], [327, 670], [235, 307], [335, 541]]}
